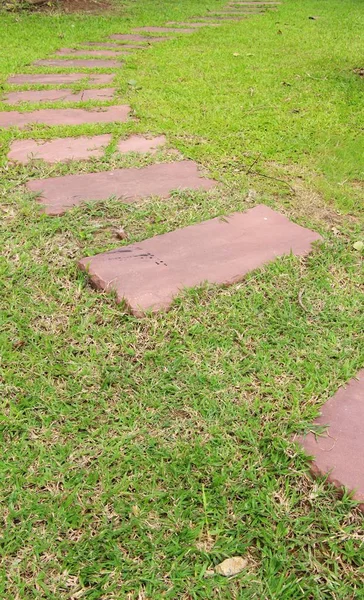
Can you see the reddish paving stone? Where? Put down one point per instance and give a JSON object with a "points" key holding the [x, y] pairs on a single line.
{"points": [[164, 30], [339, 453], [60, 193], [59, 78], [112, 53], [138, 143], [91, 63], [137, 38], [59, 96], [193, 24], [64, 116], [148, 275], [60, 149], [120, 45]]}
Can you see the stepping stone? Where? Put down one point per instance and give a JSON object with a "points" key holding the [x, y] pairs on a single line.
{"points": [[92, 63], [80, 148], [120, 46], [164, 30], [58, 194], [69, 52], [137, 38], [59, 95], [148, 275], [59, 78], [64, 116], [232, 18], [339, 453], [60, 149], [138, 143], [193, 24]]}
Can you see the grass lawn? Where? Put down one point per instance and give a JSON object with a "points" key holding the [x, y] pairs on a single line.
{"points": [[136, 454]]}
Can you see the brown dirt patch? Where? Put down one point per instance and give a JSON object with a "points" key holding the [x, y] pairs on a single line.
{"points": [[359, 71]]}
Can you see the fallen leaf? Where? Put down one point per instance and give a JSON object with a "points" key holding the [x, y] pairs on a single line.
{"points": [[209, 573], [358, 246], [120, 233], [236, 54], [231, 566], [251, 196]]}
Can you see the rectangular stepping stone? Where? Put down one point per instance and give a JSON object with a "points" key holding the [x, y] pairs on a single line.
{"points": [[339, 452], [59, 149], [59, 95], [138, 143], [121, 46], [193, 24], [59, 78], [64, 116], [148, 275], [112, 53], [136, 38], [58, 194], [164, 30], [91, 63]]}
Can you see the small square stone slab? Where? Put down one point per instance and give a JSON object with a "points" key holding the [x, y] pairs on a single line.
{"points": [[138, 143], [64, 116], [111, 53], [59, 96], [339, 452], [60, 149], [163, 30], [59, 78], [60, 193], [148, 275], [136, 38], [91, 63]]}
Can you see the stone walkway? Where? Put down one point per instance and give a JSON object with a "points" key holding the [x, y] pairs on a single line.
{"points": [[147, 276]]}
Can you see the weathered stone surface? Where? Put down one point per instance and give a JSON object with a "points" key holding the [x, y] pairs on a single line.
{"points": [[149, 274], [164, 30], [111, 53], [59, 149], [91, 63], [58, 96], [136, 38], [231, 566], [138, 143], [196, 25], [339, 452], [80, 148], [60, 193], [60, 78], [120, 45], [64, 116]]}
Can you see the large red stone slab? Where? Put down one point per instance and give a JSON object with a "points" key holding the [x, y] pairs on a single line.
{"points": [[64, 116], [148, 275], [339, 452], [59, 78], [112, 53], [138, 143], [91, 63], [164, 30], [60, 149], [136, 38], [59, 95], [57, 194]]}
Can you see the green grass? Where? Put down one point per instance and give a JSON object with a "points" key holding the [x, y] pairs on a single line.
{"points": [[137, 454]]}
